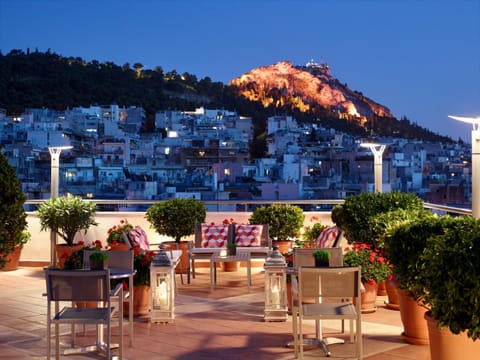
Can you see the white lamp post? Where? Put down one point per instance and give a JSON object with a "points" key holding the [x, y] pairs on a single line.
{"points": [[276, 308], [377, 150], [162, 287], [475, 121], [54, 169]]}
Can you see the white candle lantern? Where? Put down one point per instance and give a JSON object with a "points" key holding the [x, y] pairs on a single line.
{"points": [[276, 308], [162, 287]]}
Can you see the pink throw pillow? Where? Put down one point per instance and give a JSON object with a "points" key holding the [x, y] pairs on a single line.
{"points": [[327, 237], [138, 237], [214, 236], [248, 235]]}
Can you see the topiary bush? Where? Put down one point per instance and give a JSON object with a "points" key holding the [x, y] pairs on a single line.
{"points": [[356, 214], [176, 217], [451, 275], [284, 221]]}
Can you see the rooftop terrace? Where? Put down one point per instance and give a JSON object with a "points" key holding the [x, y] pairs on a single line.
{"points": [[224, 324]]}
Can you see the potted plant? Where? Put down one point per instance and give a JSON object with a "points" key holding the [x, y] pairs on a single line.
{"points": [[141, 282], [404, 247], [356, 215], [451, 289], [231, 249], [311, 233], [66, 216], [97, 260], [13, 219], [75, 260], [115, 237], [322, 258], [177, 218], [375, 268], [284, 223]]}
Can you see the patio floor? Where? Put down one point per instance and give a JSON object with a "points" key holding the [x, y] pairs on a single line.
{"points": [[224, 324]]}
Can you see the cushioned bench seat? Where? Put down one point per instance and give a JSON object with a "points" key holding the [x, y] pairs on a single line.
{"points": [[211, 238]]}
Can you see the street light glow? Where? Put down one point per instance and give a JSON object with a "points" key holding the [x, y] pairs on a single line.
{"points": [[475, 121]]}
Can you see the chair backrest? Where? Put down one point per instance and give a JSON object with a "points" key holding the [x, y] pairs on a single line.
{"points": [[316, 282], [122, 259], [78, 285], [304, 257]]}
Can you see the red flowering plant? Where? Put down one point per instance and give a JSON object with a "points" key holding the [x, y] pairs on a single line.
{"points": [[375, 267], [228, 221], [75, 260], [115, 233], [141, 262]]}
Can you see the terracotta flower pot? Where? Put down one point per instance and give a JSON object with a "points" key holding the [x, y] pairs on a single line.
{"points": [[445, 345], [369, 298], [141, 301], [415, 329], [13, 259], [393, 302], [64, 251]]}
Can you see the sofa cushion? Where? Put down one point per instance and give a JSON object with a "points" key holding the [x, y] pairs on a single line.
{"points": [[214, 236], [248, 235], [138, 237], [327, 237]]}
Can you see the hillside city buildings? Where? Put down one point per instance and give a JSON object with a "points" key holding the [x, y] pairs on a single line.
{"points": [[205, 154]]}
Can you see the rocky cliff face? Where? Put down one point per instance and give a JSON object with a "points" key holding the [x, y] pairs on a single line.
{"points": [[305, 88]]}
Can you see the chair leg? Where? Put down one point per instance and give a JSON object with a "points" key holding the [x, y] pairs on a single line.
{"points": [[57, 342], [295, 332]]}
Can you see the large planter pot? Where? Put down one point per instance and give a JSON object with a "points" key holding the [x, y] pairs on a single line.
{"points": [[393, 302], [119, 246], [230, 266], [415, 329], [141, 301], [382, 288], [445, 345], [64, 251], [369, 298], [283, 245], [13, 259]]}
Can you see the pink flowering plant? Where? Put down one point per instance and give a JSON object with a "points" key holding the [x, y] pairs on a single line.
{"points": [[115, 233], [375, 267]]}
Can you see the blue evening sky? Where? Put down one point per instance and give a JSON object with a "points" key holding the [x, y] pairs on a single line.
{"points": [[420, 58]]}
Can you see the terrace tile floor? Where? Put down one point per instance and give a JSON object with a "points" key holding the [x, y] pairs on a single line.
{"points": [[224, 324]]}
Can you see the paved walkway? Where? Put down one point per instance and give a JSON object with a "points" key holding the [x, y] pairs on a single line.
{"points": [[224, 324]]}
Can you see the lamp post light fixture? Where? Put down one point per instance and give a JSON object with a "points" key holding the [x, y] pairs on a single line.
{"points": [[55, 152], [276, 308], [475, 121], [377, 150], [162, 285]]}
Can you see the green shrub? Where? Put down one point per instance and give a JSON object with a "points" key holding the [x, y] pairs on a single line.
{"points": [[176, 217], [451, 273], [284, 221], [356, 214], [13, 219]]}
